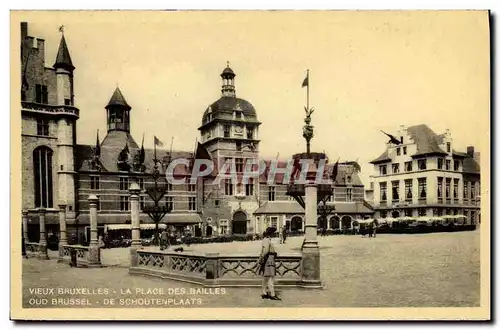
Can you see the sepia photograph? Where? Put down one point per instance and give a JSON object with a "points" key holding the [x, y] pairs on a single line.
{"points": [[250, 165]]}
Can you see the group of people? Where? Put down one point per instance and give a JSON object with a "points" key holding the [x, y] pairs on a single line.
{"points": [[370, 230]]}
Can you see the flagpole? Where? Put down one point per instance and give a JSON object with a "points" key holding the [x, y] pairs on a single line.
{"points": [[154, 142], [308, 83]]}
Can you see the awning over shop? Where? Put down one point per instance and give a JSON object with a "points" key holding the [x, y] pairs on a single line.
{"points": [[292, 207], [129, 227]]}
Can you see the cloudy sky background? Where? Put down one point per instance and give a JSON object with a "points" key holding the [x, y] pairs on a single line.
{"points": [[370, 71]]}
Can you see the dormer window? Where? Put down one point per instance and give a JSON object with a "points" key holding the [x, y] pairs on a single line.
{"points": [[238, 115], [448, 147], [250, 133]]}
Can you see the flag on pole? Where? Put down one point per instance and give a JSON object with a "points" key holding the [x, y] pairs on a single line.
{"points": [[158, 143], [305, 83]]}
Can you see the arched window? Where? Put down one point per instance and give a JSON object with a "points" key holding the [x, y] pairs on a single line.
{"points": [[42, 166]]}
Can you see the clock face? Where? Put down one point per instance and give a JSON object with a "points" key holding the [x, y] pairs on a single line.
{"points": [[238, 129]]}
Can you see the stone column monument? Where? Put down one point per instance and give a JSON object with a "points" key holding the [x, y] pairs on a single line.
{"points": [[310, 248], [42, 243], [62, 231], [94, 258], [135, 223]]}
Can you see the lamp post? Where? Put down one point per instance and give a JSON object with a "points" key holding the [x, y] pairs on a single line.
{"points": [[77, 237], [156, 212]]}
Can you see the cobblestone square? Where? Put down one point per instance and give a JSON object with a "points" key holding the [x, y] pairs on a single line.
{"points": [[431, 270]]}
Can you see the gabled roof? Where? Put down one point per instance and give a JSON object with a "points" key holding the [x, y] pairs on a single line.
{"points": [[426, 140], [471, 165], [63, 59], [117, 99]]}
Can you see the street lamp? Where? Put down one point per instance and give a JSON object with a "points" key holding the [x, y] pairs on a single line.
{"points": [[77, 237]]}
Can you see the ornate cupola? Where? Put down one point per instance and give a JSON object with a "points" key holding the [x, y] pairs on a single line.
{"points": [[118, 112], [228, 82]]}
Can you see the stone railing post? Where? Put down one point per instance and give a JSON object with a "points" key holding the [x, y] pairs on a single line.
{"points": [[310, 248], [62, 231], [42, 243], [212, 266], [25, 226], [134, 190], [94, 259]]}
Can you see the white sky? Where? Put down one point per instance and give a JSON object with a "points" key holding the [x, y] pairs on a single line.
{"points": [[368, 71]]}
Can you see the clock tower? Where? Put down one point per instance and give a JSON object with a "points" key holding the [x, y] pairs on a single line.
{"points": [[230, 132]]}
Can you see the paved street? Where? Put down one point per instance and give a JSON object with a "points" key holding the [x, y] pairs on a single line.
{"points": [[431, 270]]}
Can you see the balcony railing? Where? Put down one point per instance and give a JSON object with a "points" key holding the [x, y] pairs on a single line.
{"points": [[422, 200], [50, 109]]}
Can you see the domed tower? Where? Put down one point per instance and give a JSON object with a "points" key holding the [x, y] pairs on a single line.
{"points": [[229, 131]]}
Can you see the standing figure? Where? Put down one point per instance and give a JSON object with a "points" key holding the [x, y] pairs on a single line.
{"points": [[163, 240], [267, 266], [370, 229], [284, 234], [280, 233]]}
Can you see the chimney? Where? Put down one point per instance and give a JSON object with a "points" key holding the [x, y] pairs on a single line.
{"points": [[470, 151], [24, 30]]}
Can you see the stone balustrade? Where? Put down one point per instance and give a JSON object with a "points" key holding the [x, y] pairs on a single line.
{"points": [[32, 249], [82, 254], [213, 269]]}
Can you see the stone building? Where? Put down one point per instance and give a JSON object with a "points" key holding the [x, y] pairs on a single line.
{"points": [[59, 171], [424, 175]]}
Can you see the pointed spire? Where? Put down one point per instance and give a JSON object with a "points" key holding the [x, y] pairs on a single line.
{"points": [[97, 146], [142, 153], [63, 59], [118, 100]]}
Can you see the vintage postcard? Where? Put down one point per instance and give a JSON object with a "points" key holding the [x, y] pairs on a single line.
{"points": [[250, 165]]}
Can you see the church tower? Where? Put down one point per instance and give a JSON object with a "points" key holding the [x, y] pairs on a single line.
{"points": [[229, 132]]}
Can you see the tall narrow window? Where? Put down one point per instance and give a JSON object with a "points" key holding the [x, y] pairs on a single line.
{"points": [[94, 182], [124, 183], [440, 163], [249, 188], [383, 169], [404, 150], [472, 190], [422, 164], [408, 190], [422, 188], [141, 183], [191, 187], [42, 127], [456, 165], [192, 203], [448, 146], [239, 164], [448, 164], [395, 191], [408, 166], [124, 203], [228, 188], [227, 131], [455, 188], [169, 202], [395, 168], [142, 202], [398, 151], [250, 133], [440, 187], [383, 191], [272, 193], [466, 193], [42, 166], [41, 94], [349, 194], [447, 188]]}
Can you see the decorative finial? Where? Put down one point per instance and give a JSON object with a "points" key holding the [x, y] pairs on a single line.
{"points": [[61, 29], [228, 64]]}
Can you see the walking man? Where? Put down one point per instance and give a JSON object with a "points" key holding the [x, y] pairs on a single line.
{"points": [[267, 267]]}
